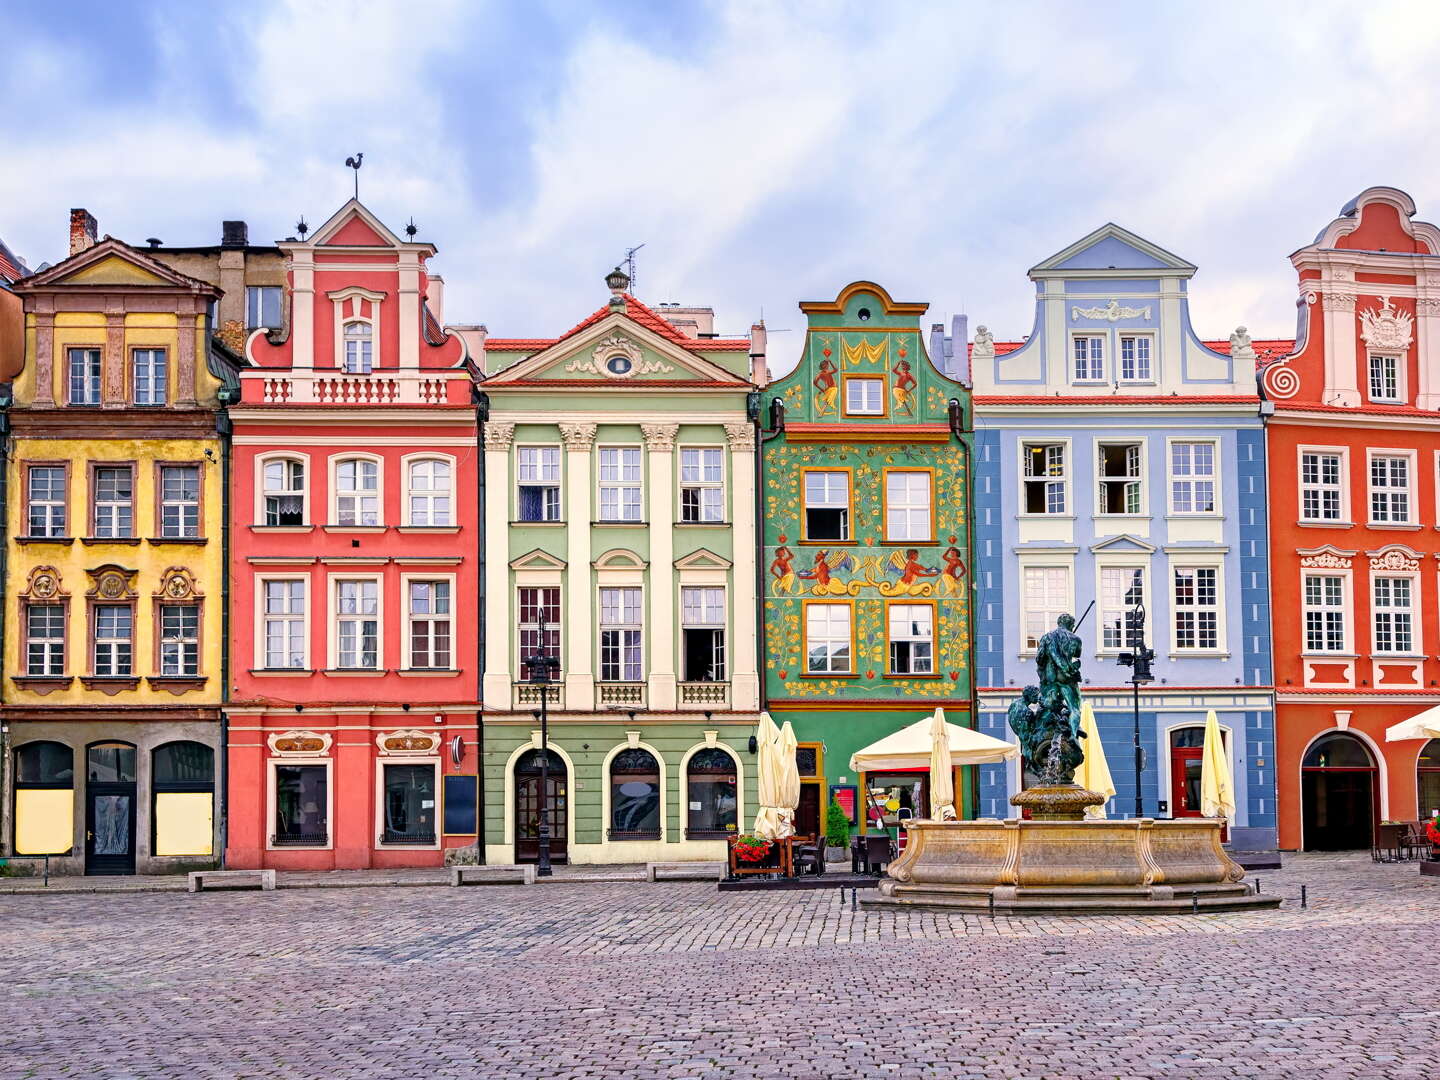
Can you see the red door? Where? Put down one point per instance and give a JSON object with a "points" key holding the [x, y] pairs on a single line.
{"points": [[1185, 764]]}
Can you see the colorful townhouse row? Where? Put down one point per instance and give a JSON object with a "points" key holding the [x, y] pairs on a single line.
{"points": [[298, 575]]}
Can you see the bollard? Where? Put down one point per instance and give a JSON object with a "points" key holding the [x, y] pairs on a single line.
{"points": [[991, 898], [1194, 903], [1304, 899], [1257, 886], [854, 897]]}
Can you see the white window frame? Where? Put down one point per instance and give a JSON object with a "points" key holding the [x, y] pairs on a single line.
{"points": [[332, 589], [407, 512], [334, 493], [849, 608], [306, 521], [151, 383], [928, 475], [1371, 454], [261, 654], [1138, 336], [57, 511], [1197, 562], [1104, 611], [1063, 478], [701, 485], [723, 625], [114, 506], [183, 641], [559, 485], [624, 628], [1172, 478], [1342, 487], [1064, 566], [255, 307], [347, 305], [865, 382], [621, 485], [406, 643], [114, 643], [557, 628], [1142, 445], [271, 796], [1092, 362], [1346, 611], [94, 381], [180, 505], [806, 505], [891, 638], [47, 643], [1398, 361], [1413, 610]]}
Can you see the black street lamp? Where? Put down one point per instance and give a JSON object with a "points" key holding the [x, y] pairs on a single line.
{"points": [[541, 665], [1138, 660]]}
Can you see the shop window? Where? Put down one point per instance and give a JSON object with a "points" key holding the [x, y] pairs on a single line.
{"points": [[1338, 750], [110, 763], [302, 811], [712, 794], [634, 795], [1428, 778], [44, 798], [409, 804], [183, 785]]}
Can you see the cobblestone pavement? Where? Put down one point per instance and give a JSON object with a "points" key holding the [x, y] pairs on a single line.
{"points": [[676, 980]]}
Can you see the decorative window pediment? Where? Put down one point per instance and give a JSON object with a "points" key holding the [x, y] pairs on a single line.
{"points": [[408, 743], [537, 560], [111, 582], [1124, 543], [299, 744], [619, 559], [43, 583], [178, 583], [703, 560]]}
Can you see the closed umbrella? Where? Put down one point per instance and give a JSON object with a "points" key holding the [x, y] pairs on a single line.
{"points": [[769, 771], [942, 771], [1217, 792], [1425, 725], [1094, 772], [789, 779]]}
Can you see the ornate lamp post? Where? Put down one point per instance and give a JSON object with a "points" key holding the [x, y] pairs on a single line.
{"points": [[541, 665], [1138, 660]]}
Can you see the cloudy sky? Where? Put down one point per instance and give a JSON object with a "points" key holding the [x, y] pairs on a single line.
{"points": [[764, 152]]}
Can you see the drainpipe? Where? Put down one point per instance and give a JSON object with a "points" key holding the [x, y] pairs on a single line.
{"points": [[224, 429], [959, 431], [482, 414], [6, 400], [776, 429]]}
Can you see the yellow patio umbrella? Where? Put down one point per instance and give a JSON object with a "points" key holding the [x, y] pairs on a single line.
{"points": [[789, 780], [1425, 725], [1094, 772], [770, 778], [942, 771], [1217, 792]]}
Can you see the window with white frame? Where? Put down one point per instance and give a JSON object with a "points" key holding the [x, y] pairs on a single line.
{"points": [[284, 628], [262, 307], [539, 606], [827, 639], [45, 496], [912, 639], [83, 376], [180, 640], [620, 633], [1385, 378], [1046, 598], [1197, 607], [907, 505], [702, 630], [1135, 358], [1121, 588], [1394, 614], [179, 500], [283, 492], [357, 623], [357, 492], [827, 505], [113, 501], [359, 338], [1324, 612], [539, 483], [620, 480], [1192, 477], [114, 646], [44, 639], [1088, 353], [702, 483], [864, 396], [430, 492], [148, 370], [1046, 480], [1390, 489], [429, 618], [1122, 480], [1322, 490]]}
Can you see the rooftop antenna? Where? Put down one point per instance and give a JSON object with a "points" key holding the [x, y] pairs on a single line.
{"points": [[630, 265], [354, 163]]}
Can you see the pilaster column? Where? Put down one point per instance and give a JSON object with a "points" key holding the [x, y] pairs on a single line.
{"points": [[744, 671], [302, 310], [499, 679], [409, 311], [112, 358], [1427, 342], [191, 335], [660, 459], [578, 659], [1342, 386], [45, 358]]}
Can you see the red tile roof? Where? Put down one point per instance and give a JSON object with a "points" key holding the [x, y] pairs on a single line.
{"points": [[9, 265], [639, 313]]}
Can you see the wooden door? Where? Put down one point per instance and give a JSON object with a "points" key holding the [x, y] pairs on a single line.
{"points": [[808, 818], [527, 818]]}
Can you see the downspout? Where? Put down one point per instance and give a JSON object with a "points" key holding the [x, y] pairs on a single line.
{"points": [[482, 414], [776, 429], [6, 400], [224, 430], [959, 431]]}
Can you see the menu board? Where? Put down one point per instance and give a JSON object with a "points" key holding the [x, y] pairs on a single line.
{"points": [[461, 818], [845, 795]]}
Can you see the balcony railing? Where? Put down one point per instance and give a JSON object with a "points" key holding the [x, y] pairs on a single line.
{"points": [[622, 693], [707, 694], [339, 388], [529, 694]]}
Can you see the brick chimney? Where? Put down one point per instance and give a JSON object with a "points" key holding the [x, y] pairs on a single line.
{"points": [[234, 234], [759, 370], [82, 230]]}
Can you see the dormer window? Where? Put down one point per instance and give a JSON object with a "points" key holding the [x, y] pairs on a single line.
{"points": [[359, 348], [1385, 379]]}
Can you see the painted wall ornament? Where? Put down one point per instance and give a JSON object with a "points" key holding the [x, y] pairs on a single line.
{"points": [[1386, 328], [1113, 311]]}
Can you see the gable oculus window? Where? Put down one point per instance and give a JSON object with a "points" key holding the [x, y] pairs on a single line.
{"points": [[912, 639], [1197, 607], [1135, 358], [620, 635], [620, 480], [1192, 477], [908, 499], [430, 492], [864, 396], [1046, 481], [1321, 488], [263, 307], [827, 505], [147, 372], [538, 604], [179, 501], [702, 484], [112, 501], [1390, 489], [702, 629], [429, 619], [359, 342], [283, 492], [45, 500], [357, 624], [1122, 482], [828, 645], [1324, 613], [284, 623], [1394, 614], [539, 483], [1045, 598], [83, 376], [1385, 379], [1087, 352], [357, 492]]}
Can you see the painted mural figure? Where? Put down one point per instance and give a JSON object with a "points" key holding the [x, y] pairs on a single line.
{"points": [[954, 569], [825, 561], [782, 567], [903, 390], [824, 382]]}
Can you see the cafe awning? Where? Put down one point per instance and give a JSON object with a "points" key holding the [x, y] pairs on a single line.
{"points": [[1425, 725], [909, 748]]}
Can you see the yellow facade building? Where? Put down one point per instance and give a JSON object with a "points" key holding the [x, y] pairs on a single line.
{"points": [[115, 583]]}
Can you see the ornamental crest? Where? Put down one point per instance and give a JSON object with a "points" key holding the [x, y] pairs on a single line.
{"points": [[1111, 312], [299, 744], [112, 583], [397, 743], [1327, 560], [618, 358], [1395, 559], [177, 583], [44, 584], [1386, 328]]}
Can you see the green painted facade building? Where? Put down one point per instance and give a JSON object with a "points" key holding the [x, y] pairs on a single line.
{"points": [[868, 600]]}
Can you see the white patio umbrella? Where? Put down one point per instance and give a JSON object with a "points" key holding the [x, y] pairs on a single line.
{"points": [[789, 780], [770, 779], [1094, 772], [942, 771], [909, 748], [1425, 725], [1217, 790]]}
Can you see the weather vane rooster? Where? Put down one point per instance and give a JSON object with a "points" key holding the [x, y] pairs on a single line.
{"points": [[354, 163]]}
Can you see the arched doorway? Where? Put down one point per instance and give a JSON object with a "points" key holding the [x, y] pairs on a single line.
{"points": [[1339, 794], [110, 808], [1427, 778], [527, 806]]}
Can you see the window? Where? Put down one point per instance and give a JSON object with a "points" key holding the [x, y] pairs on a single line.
{"points": [[1121, 588], [84, 376], [1088, 351], [429, 617], [180, 640], [1047, 597], [180, 500], [262, 307], [710, 790], [114, 640], [285, 645], [912, 639], [702, 484], [1135, 358], [1192, 478], [864, 396], [44, 799], [409, 804], [634, 795], [620, 483], [1389, 489], [113, 492], [1122, 483], [537, 605], [1385, 378], [359, 348], [907, 505], [148, 374], [702, 629], [302, 806], [1427, 777], [357, 492], [357, 623], [44, 639], [183, 783], [1046, 482], [1394, 614], [827, 505], [539, 483], [46, 500], [827, 639], [620, 623], [1320, 486], [430, 492], [284, 492], [1324, 611], [1197, 612]]}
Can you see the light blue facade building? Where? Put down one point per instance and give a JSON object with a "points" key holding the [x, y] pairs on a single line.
{"points": [[1118, 458]]}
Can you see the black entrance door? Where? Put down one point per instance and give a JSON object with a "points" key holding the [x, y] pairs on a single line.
{"points": [[527, 808], [1338, 793], [110, 808]]}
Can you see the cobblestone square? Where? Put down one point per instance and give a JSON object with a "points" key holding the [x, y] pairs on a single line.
{"points": [[675, 980]]}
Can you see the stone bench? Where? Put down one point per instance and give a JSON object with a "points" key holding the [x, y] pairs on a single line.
{"points": [[685, 871], [493, 875], [257, 879]]}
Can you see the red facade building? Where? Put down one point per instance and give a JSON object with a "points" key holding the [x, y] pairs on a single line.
{"points": [[354, 568], [1354, 453]]}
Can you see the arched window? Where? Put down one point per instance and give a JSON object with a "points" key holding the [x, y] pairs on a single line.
{"points": [[110, 763], [1338, 751], [182, 778], [357, 492], [283, 492], [429, 485], [44, 798], [1428, 778], [359, 347], [712, 794], [634, 795]]}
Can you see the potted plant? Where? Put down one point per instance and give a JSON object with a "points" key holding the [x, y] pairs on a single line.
{"points": [[751, 849], [837, 832]]}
